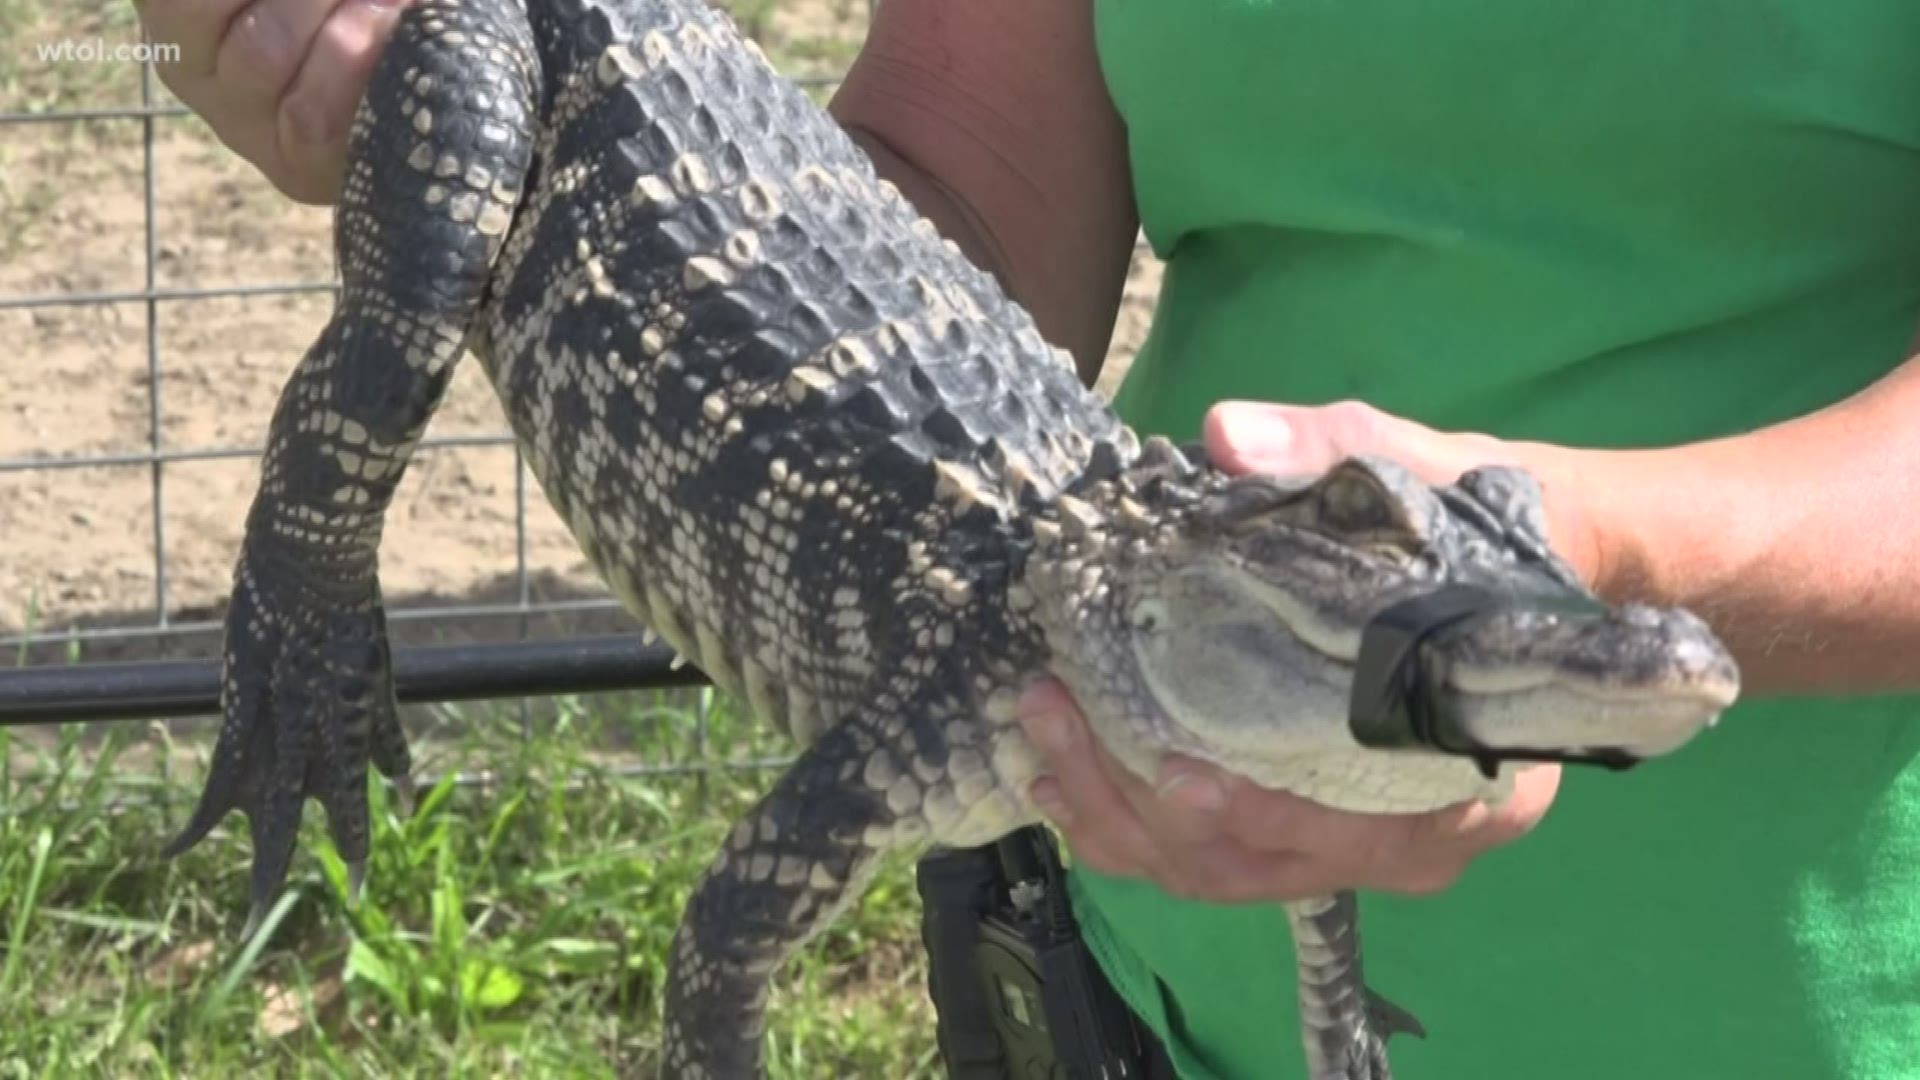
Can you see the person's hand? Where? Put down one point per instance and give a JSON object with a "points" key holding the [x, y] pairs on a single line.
{"points": [[1200, 832], [1244, 437], [277, 80]]}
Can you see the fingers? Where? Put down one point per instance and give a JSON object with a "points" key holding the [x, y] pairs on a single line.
{"points": [[1077, 795], [277, 80], [1115, 823], [1332, 849], [265, 43], [1200, 833], [1248, 436], [316, 111], [1291, 440], [1403, 853], [197, 27]]}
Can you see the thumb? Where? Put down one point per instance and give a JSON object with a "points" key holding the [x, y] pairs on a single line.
{"points": [[1289, 440], [1295, 440]]}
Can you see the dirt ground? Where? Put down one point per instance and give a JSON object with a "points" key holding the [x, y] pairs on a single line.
{"points": [[77, 544]]}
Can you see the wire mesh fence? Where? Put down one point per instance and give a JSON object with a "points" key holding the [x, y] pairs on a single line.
{"points": [[159, 454], [156, 641], [153, 661]]}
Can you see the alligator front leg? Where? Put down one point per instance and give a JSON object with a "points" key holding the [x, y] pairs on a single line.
{"points": [[307, 692], [1344, 1025], [789, 867]]}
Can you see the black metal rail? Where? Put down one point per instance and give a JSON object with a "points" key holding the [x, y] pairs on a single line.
{"points": [[153, 690], [109, 691]]}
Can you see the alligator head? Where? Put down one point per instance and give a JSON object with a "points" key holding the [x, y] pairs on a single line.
{"points": [[1223, 618]]}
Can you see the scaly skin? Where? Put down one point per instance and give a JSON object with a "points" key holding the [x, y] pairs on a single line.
{"points": [[833, 465]]}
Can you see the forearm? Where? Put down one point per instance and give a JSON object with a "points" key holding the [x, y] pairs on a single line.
{"points": [[998, 127], [951, 213], [1800, 542]]}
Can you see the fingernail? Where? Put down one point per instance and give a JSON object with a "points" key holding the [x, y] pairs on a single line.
{"points": [[270, 40], [1257, 434], [1045, 793], [1040, 714], [1193, 791]]}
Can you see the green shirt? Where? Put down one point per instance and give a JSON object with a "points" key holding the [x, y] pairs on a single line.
{"points": [[1638, 222]]}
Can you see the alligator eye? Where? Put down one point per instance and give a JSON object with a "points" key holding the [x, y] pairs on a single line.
{"points": [[1148, 616], [1389, 553]]}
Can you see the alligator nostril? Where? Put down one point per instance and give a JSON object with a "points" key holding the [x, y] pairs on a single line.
{"points": [[1714, 662]]}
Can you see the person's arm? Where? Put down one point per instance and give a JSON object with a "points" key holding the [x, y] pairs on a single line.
{"points": [[993, 118], [1799, 541]]}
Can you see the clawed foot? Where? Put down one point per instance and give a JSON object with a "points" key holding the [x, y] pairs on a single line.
{"points": [[1344, 1025], [1388, 1019], [1384, 1020], [307, 696], [1355, 1048]]}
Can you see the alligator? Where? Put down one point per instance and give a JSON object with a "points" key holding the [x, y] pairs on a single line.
{"points": [[838, 469]]}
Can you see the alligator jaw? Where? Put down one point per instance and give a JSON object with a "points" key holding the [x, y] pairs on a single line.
{"points": [[1637, 681], [1228, 627]]}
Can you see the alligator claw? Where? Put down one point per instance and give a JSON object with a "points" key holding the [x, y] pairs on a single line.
{"points": [[403, 795], [256, 914], [308, 702], [1388, 1019]]}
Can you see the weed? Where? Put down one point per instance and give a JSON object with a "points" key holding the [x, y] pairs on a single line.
{"points": [[520, 927]]}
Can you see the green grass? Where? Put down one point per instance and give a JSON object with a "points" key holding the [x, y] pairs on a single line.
{"points": [[30, 83], [515, 929], [520, 928]]}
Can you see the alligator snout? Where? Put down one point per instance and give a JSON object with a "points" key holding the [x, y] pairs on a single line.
{"points": [[1683, 654], [1630, 650]]}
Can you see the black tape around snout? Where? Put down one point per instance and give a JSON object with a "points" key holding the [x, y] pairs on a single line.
{"points": [[1399, 703]]}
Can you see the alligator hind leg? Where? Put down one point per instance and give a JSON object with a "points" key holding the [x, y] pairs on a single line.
{"points": [[1344, 1024], [439, 148], [790, 866]]}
